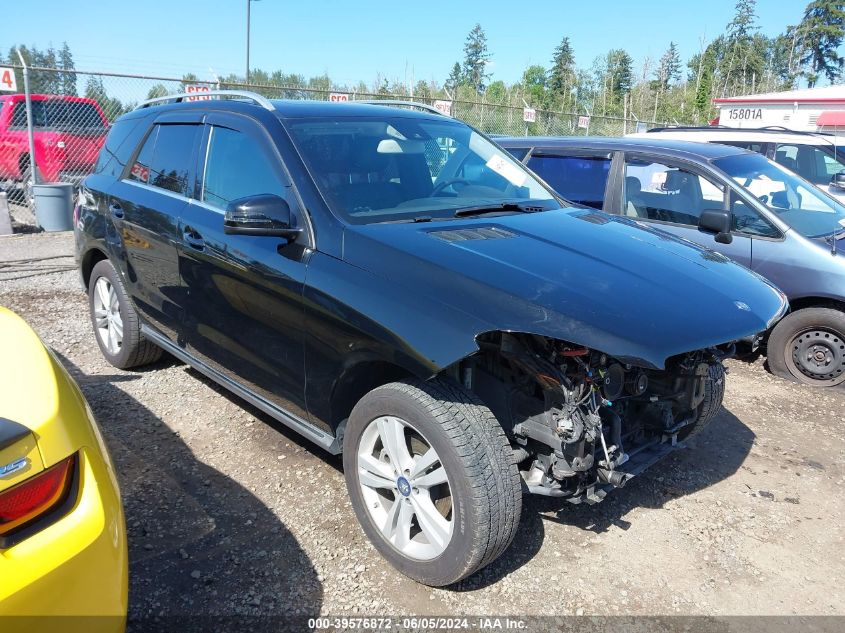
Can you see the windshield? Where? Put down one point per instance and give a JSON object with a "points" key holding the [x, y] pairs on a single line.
{"points": [[407, 168], [797, 202]]}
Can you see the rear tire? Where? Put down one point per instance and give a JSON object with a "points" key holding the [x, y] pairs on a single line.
{"points": [[808, 346], [479, 497], [117, 326]]}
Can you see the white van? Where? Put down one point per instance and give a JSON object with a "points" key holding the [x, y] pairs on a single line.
{"points": [[816, 156]]}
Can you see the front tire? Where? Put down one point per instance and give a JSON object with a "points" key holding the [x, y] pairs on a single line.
{"points": [[432, 479], [117, 326], [808, 346], [714, 394]]}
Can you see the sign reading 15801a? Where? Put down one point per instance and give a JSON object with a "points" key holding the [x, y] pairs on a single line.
{"points": [[745, 114], [8, 83]]}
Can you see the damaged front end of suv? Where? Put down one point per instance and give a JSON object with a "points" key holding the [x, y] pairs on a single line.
{"points": [[581, 422]]}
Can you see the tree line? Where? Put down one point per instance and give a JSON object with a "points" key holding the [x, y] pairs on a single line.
{"points": [[741, 60]]}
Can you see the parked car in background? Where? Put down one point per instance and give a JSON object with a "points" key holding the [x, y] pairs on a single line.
{"points": [[68, 133], [62, 535], [730, 200], [394, 286], [815, 156]]}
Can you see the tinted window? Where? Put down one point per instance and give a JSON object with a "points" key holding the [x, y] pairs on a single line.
{"points": [[581, 179], [120, 143], [239, 166], [164, 160], [669, 194]]}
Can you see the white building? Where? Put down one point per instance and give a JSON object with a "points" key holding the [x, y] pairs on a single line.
{"points": [[808, 110]]}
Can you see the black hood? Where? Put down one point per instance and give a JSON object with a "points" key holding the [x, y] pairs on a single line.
{"points": [[583, 276]]}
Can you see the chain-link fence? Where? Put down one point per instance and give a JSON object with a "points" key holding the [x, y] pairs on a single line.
{"points": [[72, 111]]}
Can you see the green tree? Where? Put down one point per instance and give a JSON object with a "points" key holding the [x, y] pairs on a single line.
{"points": [[534, 85], [158, 90], [743, 61], [476, 58], [620, 72], [67, 80], [669, 67], [562, 75], [822, 31], [454, 78]]}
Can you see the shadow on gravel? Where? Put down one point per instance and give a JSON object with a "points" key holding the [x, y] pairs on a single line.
{"points": [[335, 461], [205, 554], [712, 456]]}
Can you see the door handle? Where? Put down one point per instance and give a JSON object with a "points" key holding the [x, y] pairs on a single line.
{"points": [[193, 239], [116, 210]]}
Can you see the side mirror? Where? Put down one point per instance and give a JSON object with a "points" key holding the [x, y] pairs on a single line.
{"points": [[717, 221], [263, 214], [838, 180]]}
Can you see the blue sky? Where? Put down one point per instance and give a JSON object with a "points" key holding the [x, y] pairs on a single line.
{"points": [[358, 40]]}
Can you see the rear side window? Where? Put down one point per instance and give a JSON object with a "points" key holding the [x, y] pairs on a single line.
{"points": [[581, 179], [165, 158], [238, 165], [120, 143]]}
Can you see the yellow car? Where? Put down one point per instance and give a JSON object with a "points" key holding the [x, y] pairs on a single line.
{"points": [[62, 533]]}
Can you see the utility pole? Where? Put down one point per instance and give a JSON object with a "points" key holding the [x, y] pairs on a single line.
{"points": [[248, 3]]}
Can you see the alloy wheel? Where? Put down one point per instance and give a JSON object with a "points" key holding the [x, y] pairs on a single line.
{"points": [[405, 488], [107, 317]]}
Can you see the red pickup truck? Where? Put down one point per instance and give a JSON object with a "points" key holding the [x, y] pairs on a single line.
{"points": [[68, 133]]}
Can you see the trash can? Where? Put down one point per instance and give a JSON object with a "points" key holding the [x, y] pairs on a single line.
{"points": [[54, 206]]}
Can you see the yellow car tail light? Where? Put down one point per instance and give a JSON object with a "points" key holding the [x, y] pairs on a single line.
{"points": [[31, 499]]}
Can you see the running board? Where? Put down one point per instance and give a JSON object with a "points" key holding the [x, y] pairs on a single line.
{"points": [[324, 440]]}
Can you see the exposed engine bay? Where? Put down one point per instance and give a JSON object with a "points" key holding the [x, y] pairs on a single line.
{"points": [[581, 422]]}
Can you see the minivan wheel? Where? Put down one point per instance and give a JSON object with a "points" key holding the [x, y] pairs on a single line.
{"points": [[117, 327], [809, 346], [432, 479]]}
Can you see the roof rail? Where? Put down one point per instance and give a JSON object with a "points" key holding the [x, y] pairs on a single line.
{"points": [[243, 94], [774, 129], [401, 102]]}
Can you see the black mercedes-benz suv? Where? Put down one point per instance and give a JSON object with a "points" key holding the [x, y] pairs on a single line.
{"points": [[394, 286]]}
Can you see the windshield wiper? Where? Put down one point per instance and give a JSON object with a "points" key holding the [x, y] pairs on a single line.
{"points": [[497, 208]]}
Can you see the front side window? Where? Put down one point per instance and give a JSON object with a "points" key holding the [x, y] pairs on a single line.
{"points": [[657, 191], [579, 179], [238, 166], [165, 158], [398, 168], [797, 202]]}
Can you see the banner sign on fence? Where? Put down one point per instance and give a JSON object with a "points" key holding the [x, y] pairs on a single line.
{"points": [[444, 107], [8, 83], [197, 88], [529, 115], [642, 126], [338, 97], [584, 121]]}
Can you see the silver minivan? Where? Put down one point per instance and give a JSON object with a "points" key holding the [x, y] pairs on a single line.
{"points": [[733, 201]]}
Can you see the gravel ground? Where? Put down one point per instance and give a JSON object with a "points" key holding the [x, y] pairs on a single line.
{"points": [[228, 513]]}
